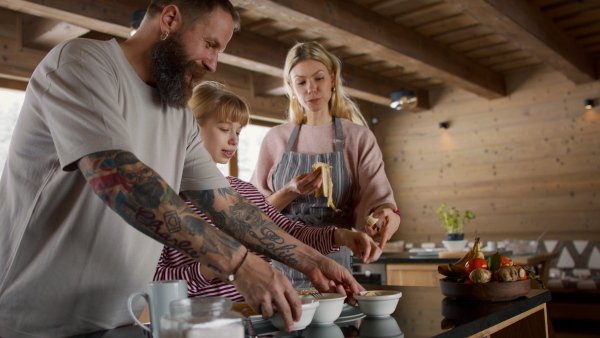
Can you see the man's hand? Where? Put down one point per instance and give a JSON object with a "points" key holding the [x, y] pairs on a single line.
{"points": [[386, 226], [264, 288], [329, 276], [361, 244]]}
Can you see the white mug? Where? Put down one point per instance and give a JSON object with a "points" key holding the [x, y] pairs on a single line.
{"points": [[160, 295]]}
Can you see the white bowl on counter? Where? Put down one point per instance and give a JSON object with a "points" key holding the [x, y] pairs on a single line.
{"points": [[454, 246], [309, 306], [382, 304], [330, 308]]}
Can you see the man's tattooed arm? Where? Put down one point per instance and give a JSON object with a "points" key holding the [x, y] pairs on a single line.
{"points": [[242, 219], [143, 199]]}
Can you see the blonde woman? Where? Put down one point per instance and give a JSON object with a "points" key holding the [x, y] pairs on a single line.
{"points": [[222, 115], [325, 125]]}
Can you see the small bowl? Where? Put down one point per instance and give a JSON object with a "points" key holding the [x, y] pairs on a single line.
{"points": [[309, 306], [330, 308], [382, 305], [454, 246]]}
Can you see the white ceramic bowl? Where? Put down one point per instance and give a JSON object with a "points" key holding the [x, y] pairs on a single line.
{"points": [[309, 306], [454, 246], [378, 306], [330, 308]]}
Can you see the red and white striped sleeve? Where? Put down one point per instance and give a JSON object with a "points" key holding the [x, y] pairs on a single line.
{"points": [[320, 239], [175, 265]]}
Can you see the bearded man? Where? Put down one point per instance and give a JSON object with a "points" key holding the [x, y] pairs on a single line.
{"points": [[104, 145]]}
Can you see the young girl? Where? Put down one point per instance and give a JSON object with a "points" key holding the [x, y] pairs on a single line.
{"points": [[221, 116]]}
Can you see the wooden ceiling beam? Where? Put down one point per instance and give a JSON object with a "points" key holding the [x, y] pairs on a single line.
{"points": [[13, 84], [17, 62], [525, 26], [261, 54], [44, 34], [352, 24], [266, 85], [246, 50], [109, 17]]}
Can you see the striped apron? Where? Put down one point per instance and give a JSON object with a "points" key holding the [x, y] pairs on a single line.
{"points": [[313, 210]]}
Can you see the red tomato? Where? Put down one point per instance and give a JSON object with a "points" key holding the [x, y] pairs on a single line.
{"points": [[505, 261], [476, 263], [468, 281]]}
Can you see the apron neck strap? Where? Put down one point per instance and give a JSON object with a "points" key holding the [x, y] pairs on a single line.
{"points": [[292, 139], [339, 134]]}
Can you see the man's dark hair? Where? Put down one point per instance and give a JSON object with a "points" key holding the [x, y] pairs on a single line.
{"points": [[194, 11]]}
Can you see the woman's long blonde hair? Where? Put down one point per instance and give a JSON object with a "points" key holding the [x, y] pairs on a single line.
{"points": [[211, 97], [340, 105]]}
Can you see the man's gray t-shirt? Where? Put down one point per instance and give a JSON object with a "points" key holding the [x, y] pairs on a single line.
{"points": [[67, 261]]}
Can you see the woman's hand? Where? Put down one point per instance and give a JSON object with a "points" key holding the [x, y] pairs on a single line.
{"points": [[386, 226], [361, 244], [303, 184]]}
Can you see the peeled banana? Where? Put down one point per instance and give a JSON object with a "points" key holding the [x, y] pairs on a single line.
{"points": [[371, 220], [327, 187]]}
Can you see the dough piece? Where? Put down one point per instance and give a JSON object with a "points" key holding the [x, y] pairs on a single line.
{"points": [[327, 187], [371, 220]]}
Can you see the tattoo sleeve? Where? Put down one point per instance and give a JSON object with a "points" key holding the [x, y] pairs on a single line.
{"points": [[143, 199], [242, 219]]}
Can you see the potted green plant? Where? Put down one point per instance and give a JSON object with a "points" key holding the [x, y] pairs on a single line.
{"points": [[453, 221]]}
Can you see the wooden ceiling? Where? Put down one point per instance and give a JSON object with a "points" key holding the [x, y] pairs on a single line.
{"points": [[385, 45]]}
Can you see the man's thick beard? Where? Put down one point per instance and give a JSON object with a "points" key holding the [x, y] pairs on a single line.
{"points": [[169, 67]]}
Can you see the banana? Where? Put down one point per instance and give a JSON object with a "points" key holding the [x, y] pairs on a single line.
{"points": [[458, 268], [326, 189], [444, 269], [477, 250], [371, 220], [472, 253]]}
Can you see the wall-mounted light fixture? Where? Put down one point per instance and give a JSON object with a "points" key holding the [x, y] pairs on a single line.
{"points": [[589, 104], [444, 125], [136, 20], [403, 99]]}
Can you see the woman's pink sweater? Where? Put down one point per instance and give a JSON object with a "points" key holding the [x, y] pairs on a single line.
{"points": [[371, 187]]}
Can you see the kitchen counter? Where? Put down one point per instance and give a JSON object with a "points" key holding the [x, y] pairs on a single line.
{"points": [[425, 312], [411, 257], [411, 269]]}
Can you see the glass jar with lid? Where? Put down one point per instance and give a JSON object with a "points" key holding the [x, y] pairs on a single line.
{"points": [[202, 317]]}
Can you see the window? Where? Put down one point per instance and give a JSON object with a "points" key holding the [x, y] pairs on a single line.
{"points": [[10, 106]]}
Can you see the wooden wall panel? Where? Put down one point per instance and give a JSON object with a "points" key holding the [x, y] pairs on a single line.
{"points": [[522, 164]]}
